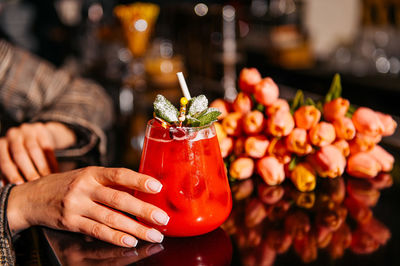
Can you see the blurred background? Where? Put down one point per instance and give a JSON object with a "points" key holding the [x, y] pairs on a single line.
{"points": [[134, 49]]}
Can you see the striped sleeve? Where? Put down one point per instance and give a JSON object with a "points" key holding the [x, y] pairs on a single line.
{"points": [[32, 89], [7, 255]]}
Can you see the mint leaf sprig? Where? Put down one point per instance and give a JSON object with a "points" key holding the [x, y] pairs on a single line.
{"points": [[198, 114]]}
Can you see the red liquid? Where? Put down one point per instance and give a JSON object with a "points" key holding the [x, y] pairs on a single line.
{"points": [[195, 192]]}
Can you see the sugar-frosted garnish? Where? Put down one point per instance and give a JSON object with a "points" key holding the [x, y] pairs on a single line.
{"points": [[197, 105], [198, 114], [165, 110]]}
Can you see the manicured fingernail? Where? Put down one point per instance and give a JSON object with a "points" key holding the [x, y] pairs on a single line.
{"points": [[153, 249], [129, 241], [160, 217], [154, 235], [154, 185]]}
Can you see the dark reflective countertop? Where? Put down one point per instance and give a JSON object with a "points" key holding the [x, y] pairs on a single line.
{"points": [[345, 221]]}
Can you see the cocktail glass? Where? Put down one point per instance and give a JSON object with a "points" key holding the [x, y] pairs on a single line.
{"points": [[188, 162]]}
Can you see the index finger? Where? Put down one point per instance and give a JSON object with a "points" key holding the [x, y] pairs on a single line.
{"points": [[128, 178]]}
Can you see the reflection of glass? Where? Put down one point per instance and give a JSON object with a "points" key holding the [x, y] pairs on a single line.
{"points": [[214, 248], [188, 163]]}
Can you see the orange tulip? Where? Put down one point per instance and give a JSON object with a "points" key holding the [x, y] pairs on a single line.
{"points": [[226, 146], [238, 147], [367, 122], [329, 161], [385, 159], [336, 109], [344, 128], [242, 103], [248, 78], [278, 149], [271, 170], [280, 124], [322, 134], [278, 105], [389, 125], [307, 116], [253, 122], [363, 165], [222, 106], [241, 168], [303, 177], [297, 142], [266, 92], [343, 146], [232, 124], [363, 142], [256, 146], [221, 134]]}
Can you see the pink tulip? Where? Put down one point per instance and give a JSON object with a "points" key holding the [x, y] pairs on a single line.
{"points": [[223, 106], [248, 78], [253, 122], [271, 170], [278, 105], [266, 92], [307, 116], [336, 109], [241, 168], [363, 142], [232, 124], [243, 103], [297, 142], [367, 122], [226, 146], [343, 146], [277, 148], [329, 161], [389, 125], [344, 128], [280, 124], [385, 159], [363, 165], [322, 134], [256, 146]]}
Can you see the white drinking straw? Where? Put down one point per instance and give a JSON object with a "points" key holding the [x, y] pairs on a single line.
{"points": [[184, 86]]}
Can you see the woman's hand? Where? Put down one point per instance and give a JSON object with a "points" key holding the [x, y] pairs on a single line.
{"points": [[27, 151], [90, 201]]}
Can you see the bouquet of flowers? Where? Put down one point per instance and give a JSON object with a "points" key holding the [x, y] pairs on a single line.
{"points": [[260, 133]]}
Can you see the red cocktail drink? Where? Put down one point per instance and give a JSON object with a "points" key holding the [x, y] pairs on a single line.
{"points": [[188, 163]]}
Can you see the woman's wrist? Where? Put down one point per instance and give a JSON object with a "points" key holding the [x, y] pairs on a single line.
{"points": [[17, 209], [63, 136]]}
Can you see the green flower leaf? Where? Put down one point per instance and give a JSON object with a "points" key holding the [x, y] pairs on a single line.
{"points": [[335, 91], [165, 110], [298, 101]]}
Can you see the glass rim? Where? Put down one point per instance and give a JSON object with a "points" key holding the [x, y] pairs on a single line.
{"points": [[186, 129]]}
